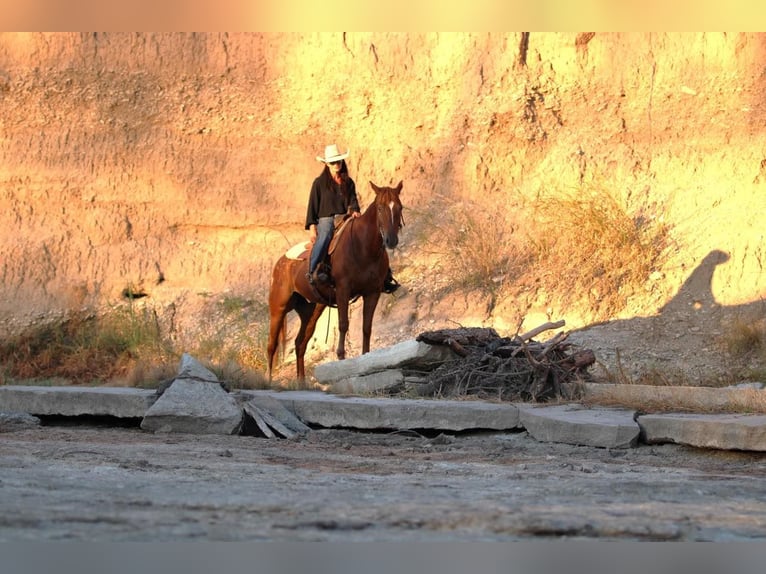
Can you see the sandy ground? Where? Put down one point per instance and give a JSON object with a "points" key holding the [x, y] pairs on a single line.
{"points": [[88, 483]]}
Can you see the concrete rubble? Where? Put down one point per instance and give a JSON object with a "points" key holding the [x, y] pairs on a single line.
{"points": [[196, 402], [276, 415], [575, 424], [410, 355], [371, 413]]}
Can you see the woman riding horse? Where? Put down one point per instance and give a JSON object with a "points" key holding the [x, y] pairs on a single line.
{"points": [[332, 193], [359, 269]]}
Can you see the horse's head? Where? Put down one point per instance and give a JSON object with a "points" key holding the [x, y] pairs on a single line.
{"points": [[389, 213]]}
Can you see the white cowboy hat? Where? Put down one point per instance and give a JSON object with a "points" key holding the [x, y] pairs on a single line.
{"points": [[332, 154]]}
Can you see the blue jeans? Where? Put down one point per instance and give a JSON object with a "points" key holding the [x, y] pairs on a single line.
{"points": [[325, 228]]}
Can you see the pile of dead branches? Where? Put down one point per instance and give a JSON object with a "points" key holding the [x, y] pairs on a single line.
{"points": [[514, 368]]}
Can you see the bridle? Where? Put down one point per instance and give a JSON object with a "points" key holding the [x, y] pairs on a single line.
{"points": [[398, 224]]}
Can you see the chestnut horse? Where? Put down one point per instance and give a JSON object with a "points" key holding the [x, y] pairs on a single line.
{"points": [[359, 263]]}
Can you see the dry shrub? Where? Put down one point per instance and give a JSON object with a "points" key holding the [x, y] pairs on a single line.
{"points": [[84, 347], [745, 338], [234, 331], [582, 246], [745, 341], [484, 250], [126, 345], [476, 245], [588, 247]]}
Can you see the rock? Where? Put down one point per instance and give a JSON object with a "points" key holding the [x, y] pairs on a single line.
{"points": [[410, 354], [190, 368], [194, 403], [371, 383], [10, 422]]}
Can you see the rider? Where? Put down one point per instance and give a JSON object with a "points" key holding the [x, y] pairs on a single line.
{"points": [[332, 193]]}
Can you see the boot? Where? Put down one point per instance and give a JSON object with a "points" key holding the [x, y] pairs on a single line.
{"points": [[389, 283], [323, 277], [318, 276]]}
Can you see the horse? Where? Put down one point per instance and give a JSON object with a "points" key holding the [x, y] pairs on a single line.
{"points": [[358, 262]]}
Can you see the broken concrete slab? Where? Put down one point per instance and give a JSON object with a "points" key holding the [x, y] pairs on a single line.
{"points": [[194, 403], [320, 409], [276, 410], [722, 431], [366, 384], [266, 422], [76, 401], [411, 354], [729, 432], [575, 424], [194, 407]]}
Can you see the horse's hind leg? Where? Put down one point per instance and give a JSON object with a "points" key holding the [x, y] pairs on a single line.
{"points": [[281, 302], [276, 328], [309, 314]]}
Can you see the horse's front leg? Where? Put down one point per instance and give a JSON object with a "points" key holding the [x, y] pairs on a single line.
{"points": [[342, 327], [368, 312]]}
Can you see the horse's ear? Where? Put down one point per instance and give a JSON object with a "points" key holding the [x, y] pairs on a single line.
{"points": [[375, 187], [399, 187]]}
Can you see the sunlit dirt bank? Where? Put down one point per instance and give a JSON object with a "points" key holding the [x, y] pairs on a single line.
{"points": [[176, 167]]}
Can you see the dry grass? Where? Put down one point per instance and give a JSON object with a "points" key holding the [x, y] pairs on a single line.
{"points": [[584, 245], [86, 348], [592, 249], [746, 339], [658, 399], [650, 376], [475, 247], [127, 345]]}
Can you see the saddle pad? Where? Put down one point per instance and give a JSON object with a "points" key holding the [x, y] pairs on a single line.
{"points": [[299, 251]]}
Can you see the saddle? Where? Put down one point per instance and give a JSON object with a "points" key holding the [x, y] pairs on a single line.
{"points": [[302, 250]]}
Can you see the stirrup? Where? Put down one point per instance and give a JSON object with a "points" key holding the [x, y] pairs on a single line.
{"points": [[323, 278], [390, 285]]}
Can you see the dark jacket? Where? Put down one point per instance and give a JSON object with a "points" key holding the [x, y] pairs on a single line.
{"points": [[328, 198]]}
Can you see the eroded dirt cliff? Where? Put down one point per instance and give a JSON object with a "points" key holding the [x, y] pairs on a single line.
{"points": [[177, 166]]}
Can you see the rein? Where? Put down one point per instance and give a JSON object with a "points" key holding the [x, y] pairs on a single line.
{"points": [[352, 238]]}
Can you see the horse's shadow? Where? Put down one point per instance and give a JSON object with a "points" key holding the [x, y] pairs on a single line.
{"points": [[688, 334]]}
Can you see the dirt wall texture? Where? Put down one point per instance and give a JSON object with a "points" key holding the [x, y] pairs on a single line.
{"points": [[178, 165]]}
